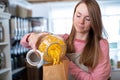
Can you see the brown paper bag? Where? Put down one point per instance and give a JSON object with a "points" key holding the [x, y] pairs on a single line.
{"points": [[56, 72]]}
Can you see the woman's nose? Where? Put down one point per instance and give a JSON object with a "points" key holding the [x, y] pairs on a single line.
{"points": [[82, 20]]}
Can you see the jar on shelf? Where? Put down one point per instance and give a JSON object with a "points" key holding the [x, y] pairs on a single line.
{"points": [[1, 33], [2, 6], [2, 60]]}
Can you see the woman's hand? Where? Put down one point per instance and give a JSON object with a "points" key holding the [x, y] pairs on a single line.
{"points": [[35, 38]]}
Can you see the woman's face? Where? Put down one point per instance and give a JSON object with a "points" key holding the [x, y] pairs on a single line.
{"points": [[82, 19]]}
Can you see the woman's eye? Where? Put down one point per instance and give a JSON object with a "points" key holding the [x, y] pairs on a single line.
{"points": [[78, 16], [87, 18]]}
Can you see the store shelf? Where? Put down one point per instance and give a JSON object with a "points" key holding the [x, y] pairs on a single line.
{"points": [[4, 15], [5, 73], [3, 43], [4, 70], [17, 70], [118, 69]]}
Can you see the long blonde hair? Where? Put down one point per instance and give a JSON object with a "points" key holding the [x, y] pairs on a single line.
{"points": [[91, 52]]}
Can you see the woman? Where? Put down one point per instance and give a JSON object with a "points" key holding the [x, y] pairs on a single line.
{"points": [[87, 50]]}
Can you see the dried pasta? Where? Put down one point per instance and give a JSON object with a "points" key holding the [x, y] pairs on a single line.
{"points": [[53, 47]]}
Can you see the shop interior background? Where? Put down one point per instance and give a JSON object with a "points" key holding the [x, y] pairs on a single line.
{"points": [[56, 17]]}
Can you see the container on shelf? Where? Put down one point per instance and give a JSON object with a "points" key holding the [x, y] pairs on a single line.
{"points": [[2, 7], [2, 60], [1, 32]]}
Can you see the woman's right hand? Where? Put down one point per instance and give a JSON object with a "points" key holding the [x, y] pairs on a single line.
{"points": [[35, 38]]}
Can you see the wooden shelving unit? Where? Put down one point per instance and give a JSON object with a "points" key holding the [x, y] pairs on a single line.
{"points": [[5, 73]]}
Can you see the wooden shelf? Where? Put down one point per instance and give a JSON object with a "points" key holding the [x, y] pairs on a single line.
{"points": [[3, 43], [5, 73], [4, 70], [4, 15], [17, 70], [118, 69]]}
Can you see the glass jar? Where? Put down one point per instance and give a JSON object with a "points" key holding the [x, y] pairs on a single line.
{"points": [[2, 60], [35, 58], [53, 47], [1, 33]]}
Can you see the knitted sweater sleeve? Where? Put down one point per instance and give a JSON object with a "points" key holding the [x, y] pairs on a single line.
{"points": [[24, 41]]}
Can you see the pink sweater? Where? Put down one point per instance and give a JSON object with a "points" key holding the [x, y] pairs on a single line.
{"points": [[102, 70]]}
